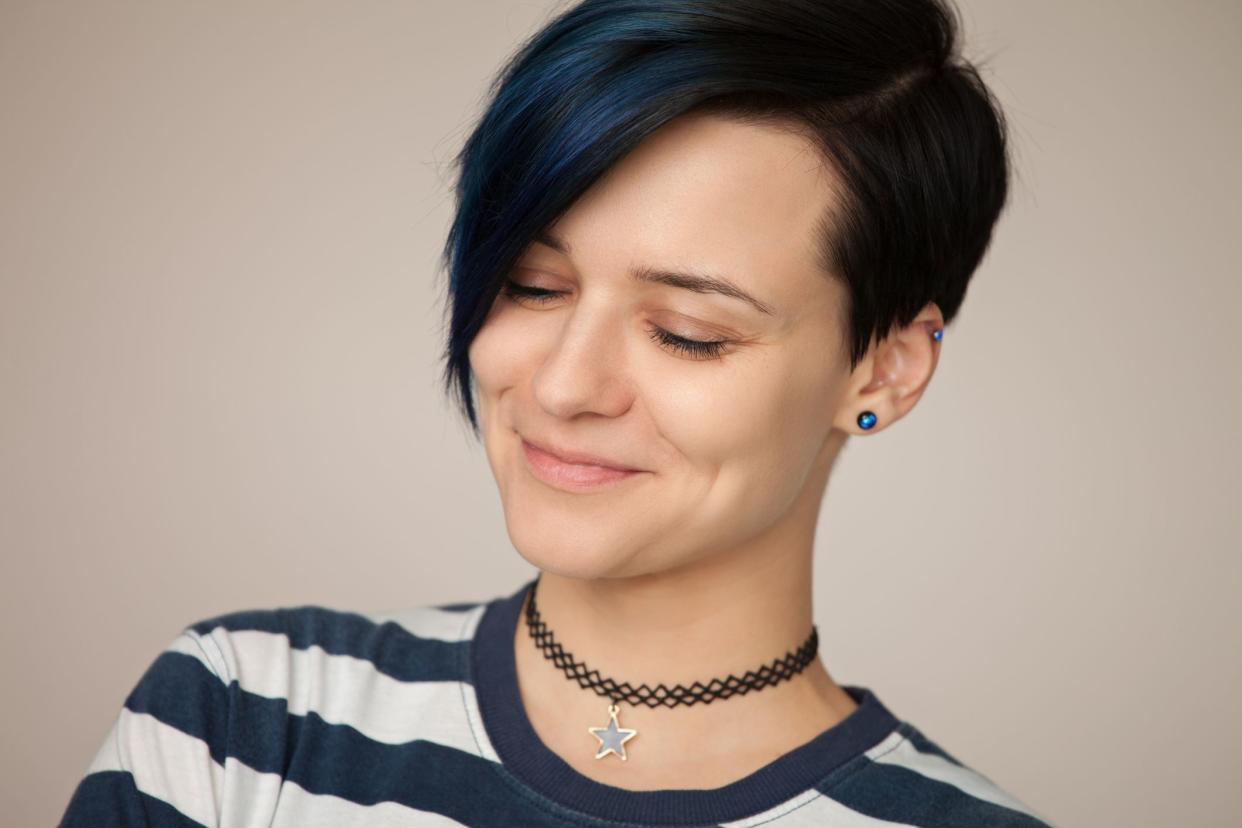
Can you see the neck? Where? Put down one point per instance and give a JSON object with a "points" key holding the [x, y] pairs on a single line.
{"points": [[725, 614], [695, 623]]}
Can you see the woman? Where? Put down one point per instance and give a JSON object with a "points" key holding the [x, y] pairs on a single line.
{"points": [[698, 245]]}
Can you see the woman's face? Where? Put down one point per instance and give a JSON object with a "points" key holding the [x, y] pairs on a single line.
{"points": [[727, 437]]}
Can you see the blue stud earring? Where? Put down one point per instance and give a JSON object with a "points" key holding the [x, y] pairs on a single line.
{"points": [[937, 334]]}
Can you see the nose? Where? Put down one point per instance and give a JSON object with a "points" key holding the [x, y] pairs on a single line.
{"points": [[583, 367]]}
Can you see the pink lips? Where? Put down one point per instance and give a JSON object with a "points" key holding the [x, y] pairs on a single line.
{"points": [[571, 476]]}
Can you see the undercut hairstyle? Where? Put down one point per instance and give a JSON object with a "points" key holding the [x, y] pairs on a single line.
{"points": [[907, 125]]}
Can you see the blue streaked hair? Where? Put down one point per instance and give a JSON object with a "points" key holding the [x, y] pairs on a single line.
{"points": [[907, 124]]}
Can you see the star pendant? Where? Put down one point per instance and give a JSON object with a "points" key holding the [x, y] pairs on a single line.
{"points": [[612, 738]]}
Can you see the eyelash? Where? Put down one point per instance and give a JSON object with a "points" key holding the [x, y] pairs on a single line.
{"points": [[694, 348]]}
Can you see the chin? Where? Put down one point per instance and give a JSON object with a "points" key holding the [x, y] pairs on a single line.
{"points": [[567, 554]]}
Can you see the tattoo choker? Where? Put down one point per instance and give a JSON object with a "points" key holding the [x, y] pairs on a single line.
{"points": [[613, 737]]}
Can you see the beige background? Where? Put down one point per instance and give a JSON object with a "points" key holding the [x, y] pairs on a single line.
{"points": [[220, 325]]}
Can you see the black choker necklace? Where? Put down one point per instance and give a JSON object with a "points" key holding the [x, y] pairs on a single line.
{"points": [[613, 738]]}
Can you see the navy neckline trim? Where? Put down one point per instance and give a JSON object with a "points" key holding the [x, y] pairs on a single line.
{"points": [[524, 754]]}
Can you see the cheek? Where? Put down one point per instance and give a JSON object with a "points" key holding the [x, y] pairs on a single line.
{"points": [[708, 410], [494, 366], [496, 353], [753, 417]]}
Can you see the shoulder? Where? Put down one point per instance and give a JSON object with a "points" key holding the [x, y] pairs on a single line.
{"points": [[265, 650], [235, 700], [909, 779]]}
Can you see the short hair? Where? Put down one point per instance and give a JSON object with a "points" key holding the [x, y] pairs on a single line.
{"points": [[909, 127]]}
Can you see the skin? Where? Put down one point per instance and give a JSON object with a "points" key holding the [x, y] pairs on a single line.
{"points": [[701, 566]]}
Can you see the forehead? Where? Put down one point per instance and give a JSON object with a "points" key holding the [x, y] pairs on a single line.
{"points": [[713, 194]]}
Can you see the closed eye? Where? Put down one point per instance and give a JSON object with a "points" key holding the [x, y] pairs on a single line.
{"points": [[694, 348]]}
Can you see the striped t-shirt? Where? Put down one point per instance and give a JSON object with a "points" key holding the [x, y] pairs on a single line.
{"points": [[308, 716]]}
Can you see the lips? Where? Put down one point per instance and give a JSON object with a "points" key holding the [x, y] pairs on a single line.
{"points": [[578, 477], [580, 458]]}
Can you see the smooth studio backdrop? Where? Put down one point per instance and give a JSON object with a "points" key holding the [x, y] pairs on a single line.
{"points": [[220, 327]]}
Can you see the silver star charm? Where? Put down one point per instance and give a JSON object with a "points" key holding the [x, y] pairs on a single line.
{"points": [[612, 738]]}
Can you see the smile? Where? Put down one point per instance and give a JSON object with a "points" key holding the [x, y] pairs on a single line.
{"points": [[573, 477]]}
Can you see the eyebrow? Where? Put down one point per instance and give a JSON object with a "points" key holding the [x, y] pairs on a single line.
{"points": [[686, 279]]}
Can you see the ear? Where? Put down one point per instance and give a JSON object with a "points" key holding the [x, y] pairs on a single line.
{"points": [[891, 377]]}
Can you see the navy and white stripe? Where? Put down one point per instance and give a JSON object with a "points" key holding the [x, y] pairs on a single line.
{"points": [[308, 716]]}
